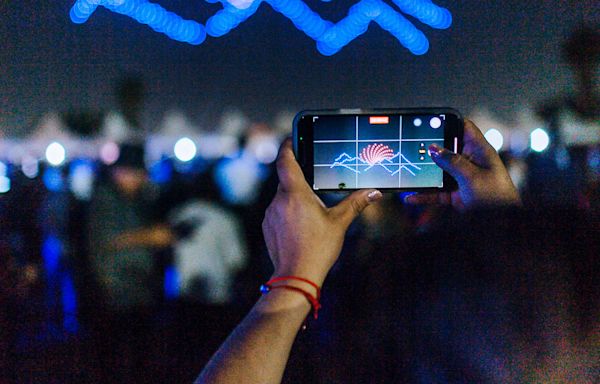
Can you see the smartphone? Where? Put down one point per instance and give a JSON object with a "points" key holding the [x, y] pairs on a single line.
{"points": [[387, 149]]}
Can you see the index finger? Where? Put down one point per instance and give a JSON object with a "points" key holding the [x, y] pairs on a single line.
{"points": [[290, 174]]}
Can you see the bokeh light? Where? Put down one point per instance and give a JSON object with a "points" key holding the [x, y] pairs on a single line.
{"points": [[55, 154], [495, 138], [330, 37], [109, 153], [185, 149], [144, 12], [53, 179], [30, 167], [81, 179], [539, 140], [4, 184]]}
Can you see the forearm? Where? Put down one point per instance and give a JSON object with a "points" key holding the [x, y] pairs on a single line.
{"points": [[258, 349], [304, 239]]}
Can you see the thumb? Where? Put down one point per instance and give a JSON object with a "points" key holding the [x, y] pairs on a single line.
{"points": [[455, 164], [349, 208]]}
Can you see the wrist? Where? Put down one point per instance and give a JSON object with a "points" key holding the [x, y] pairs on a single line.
{"points": [[294, 284], [314, 277], [284, 301]]}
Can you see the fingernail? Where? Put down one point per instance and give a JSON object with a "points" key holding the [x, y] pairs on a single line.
{"points": [[435, 150], [374, 196]]}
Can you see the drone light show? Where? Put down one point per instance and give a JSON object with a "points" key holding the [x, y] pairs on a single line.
{"points": [[330, 37]]}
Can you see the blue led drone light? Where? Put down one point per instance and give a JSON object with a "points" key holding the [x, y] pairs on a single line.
{"points": [[330, 37], [145, 12]]}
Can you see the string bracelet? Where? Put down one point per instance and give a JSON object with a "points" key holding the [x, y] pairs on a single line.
{"points": [[312, 299]]}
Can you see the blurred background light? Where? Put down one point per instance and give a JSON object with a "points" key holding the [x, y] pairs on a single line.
{"points": [[241, 4], [238, 178], [109, 153], [81, 179], [539, 140], [264, 148], [185, 149], [330, 37], [55, 154], [4, 184], [495, 138], [53, 179], [171, 283], [144, 12], [52, 248], [519, 141], [161, 172], [30, 167]]}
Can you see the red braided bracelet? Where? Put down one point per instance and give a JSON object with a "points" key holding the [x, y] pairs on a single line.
{"points": [[314, 301], [283, 278]]}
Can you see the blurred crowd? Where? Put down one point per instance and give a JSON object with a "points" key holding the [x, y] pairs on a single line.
{"points": [[125, 271]]}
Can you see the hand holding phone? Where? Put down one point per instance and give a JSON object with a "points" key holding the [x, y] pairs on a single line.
{"points": [[384, 149], [481, 176]]}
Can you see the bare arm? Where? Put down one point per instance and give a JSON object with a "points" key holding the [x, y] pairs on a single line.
{"points": [[258, 349], [304, 239]]}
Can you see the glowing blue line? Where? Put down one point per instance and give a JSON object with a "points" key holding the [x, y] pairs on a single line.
{"points": [[330, 37], [229, 18], [426, 12], [145, 12]]}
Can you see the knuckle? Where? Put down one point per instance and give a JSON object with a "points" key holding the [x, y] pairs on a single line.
{"points": [[456, 159], [268, 212], [356, 206], [280, 162], [460, 163]]}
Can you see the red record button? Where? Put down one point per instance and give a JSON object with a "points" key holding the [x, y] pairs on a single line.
{"points": [[379, 119]]}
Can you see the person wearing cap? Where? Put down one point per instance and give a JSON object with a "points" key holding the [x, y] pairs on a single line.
{"points": [[568, 173], [122, 241]]}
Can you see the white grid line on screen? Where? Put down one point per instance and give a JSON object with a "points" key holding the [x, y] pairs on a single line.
{"points": [[368, 165], [400, 150], [356, 175], [370, 140], [357, 141]]}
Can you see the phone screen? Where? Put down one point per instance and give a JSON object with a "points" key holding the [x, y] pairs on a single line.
{"points": [[386, 151]]}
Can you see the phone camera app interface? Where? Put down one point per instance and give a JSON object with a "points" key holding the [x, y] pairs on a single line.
{"points": [[376, 151]]}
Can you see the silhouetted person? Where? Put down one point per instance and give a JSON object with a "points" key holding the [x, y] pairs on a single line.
{"points": [[568, 173], [122, 239]]}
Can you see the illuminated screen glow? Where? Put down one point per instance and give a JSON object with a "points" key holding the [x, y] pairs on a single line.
{"points": [[351, 152], [330, 37]]}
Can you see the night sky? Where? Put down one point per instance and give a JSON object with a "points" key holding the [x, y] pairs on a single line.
{"points": [[497, 54]]}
